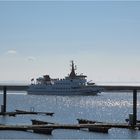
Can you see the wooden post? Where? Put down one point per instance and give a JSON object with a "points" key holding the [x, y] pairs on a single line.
{"points": [[134, 107], [4, 98]]}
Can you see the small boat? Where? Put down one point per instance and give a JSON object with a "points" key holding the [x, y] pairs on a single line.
{"points": [[43, 130], [39, 122], [100, 129], [127, 120], [95, 128], [20, 111], [33, 112], [84, 121]]}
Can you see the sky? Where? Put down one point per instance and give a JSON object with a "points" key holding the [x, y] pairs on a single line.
{"points": [[102, 37]]}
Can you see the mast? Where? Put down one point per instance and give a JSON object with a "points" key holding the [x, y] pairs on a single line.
{"points": [[73, 68]]}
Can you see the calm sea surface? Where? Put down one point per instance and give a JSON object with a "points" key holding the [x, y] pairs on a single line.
{"points": [[107, 107]]}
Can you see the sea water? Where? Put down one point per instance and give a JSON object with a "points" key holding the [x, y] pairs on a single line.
{"points": [[106, 107]]}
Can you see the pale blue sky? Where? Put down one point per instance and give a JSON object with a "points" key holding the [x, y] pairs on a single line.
{"points": [[103, 38]]}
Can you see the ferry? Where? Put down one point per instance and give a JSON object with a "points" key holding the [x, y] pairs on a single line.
{"points": [[73, 84]]}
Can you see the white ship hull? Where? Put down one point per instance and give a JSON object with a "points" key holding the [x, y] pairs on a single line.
{"points": [[41, 92], [87, 90]]}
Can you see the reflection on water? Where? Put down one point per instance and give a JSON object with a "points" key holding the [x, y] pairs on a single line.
{"points": [[107, 107]]}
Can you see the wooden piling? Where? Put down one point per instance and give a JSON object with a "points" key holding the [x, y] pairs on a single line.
{"points": [[4, 98], [134, 107]]}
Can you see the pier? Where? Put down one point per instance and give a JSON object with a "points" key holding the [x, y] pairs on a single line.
{"points": [[62, 126], [47, 129], [6, 88], [93, 127]]}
